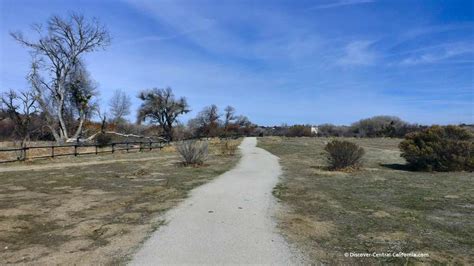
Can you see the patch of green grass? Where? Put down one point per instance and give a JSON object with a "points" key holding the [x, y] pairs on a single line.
{"points": [[381, 208]]}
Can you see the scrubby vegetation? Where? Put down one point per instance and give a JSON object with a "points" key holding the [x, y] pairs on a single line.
{"points": [[382, 126], [103, 140], [342, 154], [193, 152], [439, 148], [228, 147], [299, 131]]}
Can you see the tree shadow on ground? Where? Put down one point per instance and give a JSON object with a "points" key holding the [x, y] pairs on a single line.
{"points": [[398, 166]]}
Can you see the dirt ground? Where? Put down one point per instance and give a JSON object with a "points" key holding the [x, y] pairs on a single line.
{"points": [[383, 208], [94, 209]]}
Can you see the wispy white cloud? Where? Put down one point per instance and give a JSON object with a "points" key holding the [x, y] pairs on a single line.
{"points": [[358, 53], [439, 54], [276, 36], [341, 3], [159, 38], [435, 29], [189, 22]]}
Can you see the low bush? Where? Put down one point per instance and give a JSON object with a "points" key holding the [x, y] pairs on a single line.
{"points": [[383, 126], [299, 131], [342, 154], [193, 152], [330, 130], [449, 148], [103, 140]]}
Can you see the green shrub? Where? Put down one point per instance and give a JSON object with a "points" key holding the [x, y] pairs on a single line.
{"points": [[343, 154], [193, 152], [437, 148], [103, 140]]}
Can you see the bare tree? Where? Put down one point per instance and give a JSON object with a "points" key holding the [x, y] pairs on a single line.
{"points": [[243, 125], [209, 118], [56, 61], [161, 107], [229, 116], [20, 108], [119, 106]]}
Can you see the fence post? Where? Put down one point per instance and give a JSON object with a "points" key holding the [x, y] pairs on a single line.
{"points": [[127, 145], [113, 147], [25, 154], [75, 150], [150, 145], [141, 146], [96, 152], [52, 151]]}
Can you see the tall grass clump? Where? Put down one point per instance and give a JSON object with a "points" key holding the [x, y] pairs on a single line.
{"points": [[448, 148], [228, 147], [342, 154], [193, 152]]}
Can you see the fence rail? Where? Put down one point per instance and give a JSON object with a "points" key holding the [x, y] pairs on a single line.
{"points": [[28, 153]]}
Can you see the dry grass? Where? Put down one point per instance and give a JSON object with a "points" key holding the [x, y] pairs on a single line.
{"points": [[91, 210], [229, 147], [381, 208]]}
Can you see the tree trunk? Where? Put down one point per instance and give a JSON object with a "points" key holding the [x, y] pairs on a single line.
{"points": [[79, 128], [168, 132], [62, 125]]}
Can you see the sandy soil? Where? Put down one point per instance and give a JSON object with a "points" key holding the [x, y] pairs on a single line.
{"points": [[57, 165], [92, 210]]}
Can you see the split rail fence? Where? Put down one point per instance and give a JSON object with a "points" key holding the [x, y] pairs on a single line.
{"points": [[52, 151]]}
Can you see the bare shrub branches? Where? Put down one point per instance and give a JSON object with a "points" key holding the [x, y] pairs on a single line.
{"points": [[193, 152]]}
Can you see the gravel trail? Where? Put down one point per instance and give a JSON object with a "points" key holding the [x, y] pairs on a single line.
{"points": [[227, 221]]}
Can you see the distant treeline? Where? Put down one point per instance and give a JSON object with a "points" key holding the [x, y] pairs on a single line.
{"points": [[210, 122], [377, 126]]}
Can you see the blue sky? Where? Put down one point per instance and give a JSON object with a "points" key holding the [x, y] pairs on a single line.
{"points": [[314, 62]]}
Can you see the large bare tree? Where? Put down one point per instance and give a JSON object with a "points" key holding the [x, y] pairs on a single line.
{"points": [[57, 72], [160, 106]]}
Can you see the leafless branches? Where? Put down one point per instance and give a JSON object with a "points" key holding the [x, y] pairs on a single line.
{"points": [[57, 72], [20, 107], [119, 106]]}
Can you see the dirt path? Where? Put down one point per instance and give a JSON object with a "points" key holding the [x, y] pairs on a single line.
{"points": [[71, 164], [226, 221]]}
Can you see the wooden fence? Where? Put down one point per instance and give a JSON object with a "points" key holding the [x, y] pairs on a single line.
{"points": [[52, 151]]}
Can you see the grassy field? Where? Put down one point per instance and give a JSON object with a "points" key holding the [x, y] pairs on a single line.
{"points": [[381, 208], [93, 209]]}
